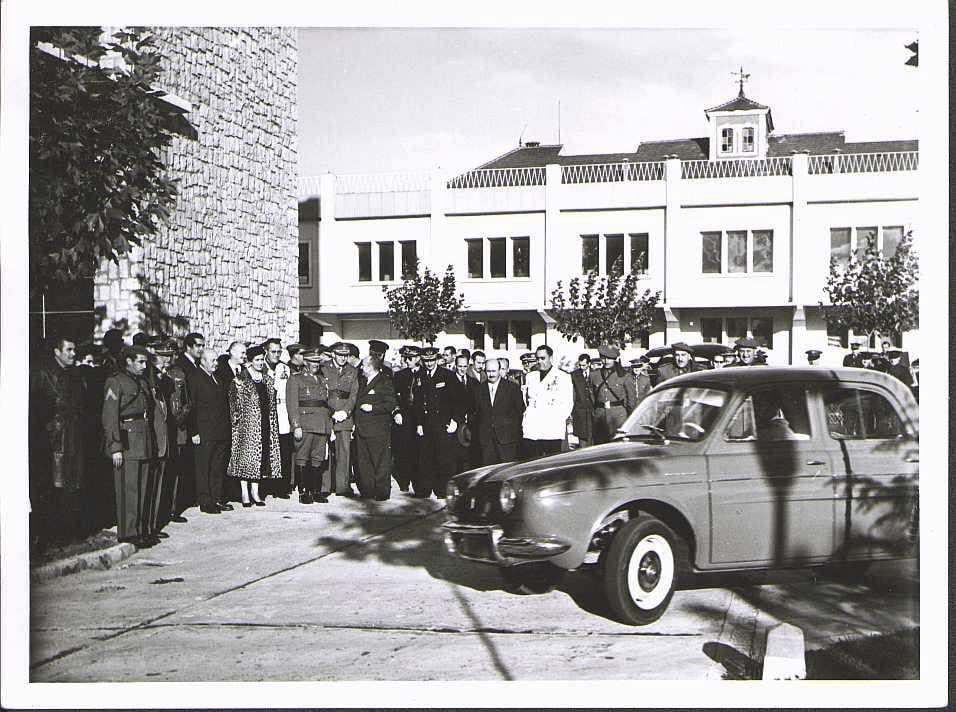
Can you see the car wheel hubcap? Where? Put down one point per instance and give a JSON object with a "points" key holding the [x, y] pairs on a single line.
{"points": [[650, 572]]}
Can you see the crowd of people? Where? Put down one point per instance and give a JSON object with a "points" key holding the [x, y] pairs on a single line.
{"points": [[178, 423]]}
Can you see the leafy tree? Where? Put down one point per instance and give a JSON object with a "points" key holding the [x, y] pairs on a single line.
{"points": [[98, 183], [604, 310], [424, 305], [873, 293]]}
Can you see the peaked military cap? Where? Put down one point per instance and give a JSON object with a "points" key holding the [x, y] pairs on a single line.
{"points": [[814, 353], [163, 347], [142, 339], [894, 353], [411, 350], [528, 358], [429, 353], [609, 351], [295, 348], [377, 347], [638, 361], [745, 343], [312, 354], [340, 348]]}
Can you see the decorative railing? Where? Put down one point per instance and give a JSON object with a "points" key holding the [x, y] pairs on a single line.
{"points": [[499, 178], [864, 162], [309, 186], [406, 182], [613, 172], [745, 168]]}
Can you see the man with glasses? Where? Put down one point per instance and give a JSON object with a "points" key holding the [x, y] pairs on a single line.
{"points": [[549, 398]]}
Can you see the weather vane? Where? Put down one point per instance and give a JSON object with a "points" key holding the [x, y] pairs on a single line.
{"points": [[741, 77]]}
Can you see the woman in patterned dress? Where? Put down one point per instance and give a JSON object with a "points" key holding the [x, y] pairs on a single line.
{"points": [[255, 428]]}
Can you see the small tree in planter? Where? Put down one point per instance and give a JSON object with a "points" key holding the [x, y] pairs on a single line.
{"points": [[424, 305]]}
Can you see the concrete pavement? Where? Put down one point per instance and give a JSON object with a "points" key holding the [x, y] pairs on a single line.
{"points": [[357, 590]]}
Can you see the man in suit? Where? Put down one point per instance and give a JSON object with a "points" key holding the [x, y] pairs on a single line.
{"points": [[438, 413], [373, 419], [232, 366], [404, 440], [343, 383], [582, 415], [477, 368], [210, 433], [466, 451], [193, 346], [499, 410], [853, 359]]}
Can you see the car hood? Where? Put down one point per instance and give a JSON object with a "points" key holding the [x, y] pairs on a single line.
{"points": [[603, 461]]}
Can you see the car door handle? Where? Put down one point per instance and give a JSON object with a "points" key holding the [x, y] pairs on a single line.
{"points": [[816, 462]]}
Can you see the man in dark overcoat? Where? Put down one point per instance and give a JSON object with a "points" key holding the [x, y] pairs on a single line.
{"points": [[210, 431], [499, 409], [438, 413], [582, 414], [373, 421], [404, 440]]}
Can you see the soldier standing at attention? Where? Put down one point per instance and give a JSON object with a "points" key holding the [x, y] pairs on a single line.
{"points": [[813, 357], [612, 398], [307, 402], [404, 440], [131, 443], [343, 382], [683, 363], [639, 382], [438, 412]]}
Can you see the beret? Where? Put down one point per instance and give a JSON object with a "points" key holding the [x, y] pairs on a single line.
{"points": [[681, 346]]}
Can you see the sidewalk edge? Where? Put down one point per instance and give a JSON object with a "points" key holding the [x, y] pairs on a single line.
{"points": [[102, 559]]}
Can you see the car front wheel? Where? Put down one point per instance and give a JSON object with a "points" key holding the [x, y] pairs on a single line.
{"points": [[641, 572]]}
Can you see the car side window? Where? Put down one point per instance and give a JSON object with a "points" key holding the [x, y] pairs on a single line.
{"points": [[769, 416], [856, 414]]}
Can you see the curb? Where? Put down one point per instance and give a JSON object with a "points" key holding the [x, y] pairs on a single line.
{"points": [[102, 559], [776, 650], [784, 652]]}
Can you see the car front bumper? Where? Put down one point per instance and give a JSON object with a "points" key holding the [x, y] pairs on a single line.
{"points": [[486, 543]]}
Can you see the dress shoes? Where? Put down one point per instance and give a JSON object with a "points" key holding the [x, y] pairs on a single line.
{"points": [[178, 518], [305, 498], [247, 504], [224, 507], [161, 535], [259, 503], [209, 509], [319, 499]]}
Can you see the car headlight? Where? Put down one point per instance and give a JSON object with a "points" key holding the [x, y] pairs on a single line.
{"points": [[507, 498], [452, 493]]}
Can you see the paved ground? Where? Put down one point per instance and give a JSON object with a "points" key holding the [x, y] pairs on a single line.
{"points": [[359, 590]]}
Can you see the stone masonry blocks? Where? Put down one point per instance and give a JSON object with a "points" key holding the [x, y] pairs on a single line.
{"points": [[227, 263]]}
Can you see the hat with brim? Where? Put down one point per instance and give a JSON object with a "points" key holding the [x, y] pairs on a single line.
{"points": [[411, 350], [429, 353], [377, 347], [894, 353], [609, 351], [745, 343], [340, 348], [813, 353], [681, 346], [164, 348], [528, 358], [464, 436]]}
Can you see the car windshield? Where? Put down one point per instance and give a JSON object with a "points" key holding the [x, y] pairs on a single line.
{"points": [[681, 413]]}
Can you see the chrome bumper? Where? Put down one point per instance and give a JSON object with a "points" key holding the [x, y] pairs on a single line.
{"points": [[486, 543]]}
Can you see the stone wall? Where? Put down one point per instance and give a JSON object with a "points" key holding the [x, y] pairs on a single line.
{"points": [[227, 264]]}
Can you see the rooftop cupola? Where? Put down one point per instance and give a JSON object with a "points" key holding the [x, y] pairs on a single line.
{"points": [[741, 127]]}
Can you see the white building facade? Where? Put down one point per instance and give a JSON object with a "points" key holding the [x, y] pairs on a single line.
{"points": [[736, 231]]}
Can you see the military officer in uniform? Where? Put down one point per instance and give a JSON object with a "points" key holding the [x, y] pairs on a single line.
{"points": [[131, 443], [612, 398], [854, 359], [404, 440], [379, 349], [307, 403], [813, 357], [438, 412], [897, 368], [683, 363], [343, 382], [639, 382]]}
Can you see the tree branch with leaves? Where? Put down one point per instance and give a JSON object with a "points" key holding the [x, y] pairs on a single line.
{"points": [[872, 293], [604, 310], [424, 305]]}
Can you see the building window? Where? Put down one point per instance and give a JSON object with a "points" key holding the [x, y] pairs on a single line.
{"points": [[746, 252], [409, 259], [521, 331], [838, 336], [719, 330], [866, 238], [476, 267], [737, 252], [640, 256], [386, 261], [475, 333], [763, 251], [891, 241], [726, 140], [305, 264], [840, 245], [364, 261], [499, 258], [747, 137], [712, 330], [521, 256], [710, 254], [614, 254], [498, 330], [589, 253]]}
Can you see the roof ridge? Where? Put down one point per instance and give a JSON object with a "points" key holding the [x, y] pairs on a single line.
{"points": [[559, 146], [810, 133]]}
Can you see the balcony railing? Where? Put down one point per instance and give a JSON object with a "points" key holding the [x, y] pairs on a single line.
{"points": [[407, 182], [746, 168], [612, 172], [864, 162], [499, 178]]}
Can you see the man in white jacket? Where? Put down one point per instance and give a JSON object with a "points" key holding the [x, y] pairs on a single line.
{"points": [[549, 396]]}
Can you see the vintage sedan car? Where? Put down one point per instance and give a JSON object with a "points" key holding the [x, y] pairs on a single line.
{"points": [[724, 470]]}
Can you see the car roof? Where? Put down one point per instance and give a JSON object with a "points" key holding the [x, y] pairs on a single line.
{"points": [[749, 376]]}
